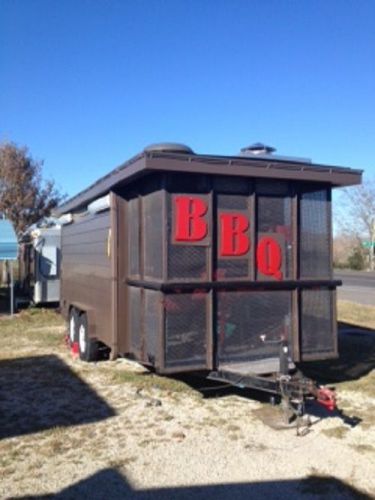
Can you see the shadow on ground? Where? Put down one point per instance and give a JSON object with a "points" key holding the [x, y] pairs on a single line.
{"points": [[356, 357], [110, 483], [4, 300], [42, 392]]}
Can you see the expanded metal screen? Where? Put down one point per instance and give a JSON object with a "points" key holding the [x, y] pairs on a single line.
{"points": [[314, 235], [250, 324], [235, 266], [186, 261], [133, 217], [274, 219], [153, 230], [185, 329], [233, 185], [272, 187], [316, 321], [134, 318]]}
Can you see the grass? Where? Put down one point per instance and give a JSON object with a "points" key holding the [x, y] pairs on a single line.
{"points": [[31, 328], [150, 381], [356, 314]]}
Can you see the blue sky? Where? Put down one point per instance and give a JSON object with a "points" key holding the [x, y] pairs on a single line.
{"points": [[86, 84]]}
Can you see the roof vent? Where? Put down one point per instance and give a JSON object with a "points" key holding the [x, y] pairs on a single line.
{"points": [[168, 147], [257, 149], [261, 151]]}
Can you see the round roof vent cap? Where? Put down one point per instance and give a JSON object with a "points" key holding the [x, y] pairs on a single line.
{"points": [[258, 149], [168, 147]]}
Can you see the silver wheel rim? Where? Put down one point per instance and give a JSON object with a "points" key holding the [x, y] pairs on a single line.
{"points": [[72, 326], [82, 338]]}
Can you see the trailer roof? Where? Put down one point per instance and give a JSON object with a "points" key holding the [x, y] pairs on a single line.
{"points": [[271, 168]]}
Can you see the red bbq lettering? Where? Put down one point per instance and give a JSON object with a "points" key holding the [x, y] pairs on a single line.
{"points": [[269, 257], [233, 238], [190, 222]]}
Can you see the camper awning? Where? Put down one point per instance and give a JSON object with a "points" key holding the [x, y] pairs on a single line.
{"points": [[8, 241]]}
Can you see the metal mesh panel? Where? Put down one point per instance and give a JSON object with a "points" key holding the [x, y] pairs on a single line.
{"points": [[133, 241], [315, 235], [236, 267], [232, 202], [193, 183], [272, 187], [316, 322], [152, 206], [232, 185], [274, 217], [152, 312], [134, 315], [185, 329], [185, 261], [244, 318], [231, 268]]}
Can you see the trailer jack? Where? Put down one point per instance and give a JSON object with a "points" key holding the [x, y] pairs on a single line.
{"points": [[293, 391]]}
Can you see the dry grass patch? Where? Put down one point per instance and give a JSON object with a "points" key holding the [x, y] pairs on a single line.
{"points": [[144, 381], [356, 314], [336, 432], [31, 328]]}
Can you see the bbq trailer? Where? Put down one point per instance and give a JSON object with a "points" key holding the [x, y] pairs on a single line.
{"points": [[219, 264]]}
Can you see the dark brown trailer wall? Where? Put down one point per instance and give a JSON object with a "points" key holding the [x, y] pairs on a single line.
{"points": [[140, 242], [86, 272]]}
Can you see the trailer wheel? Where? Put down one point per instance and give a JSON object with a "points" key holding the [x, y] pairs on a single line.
{"points": [[88, 348], [73, 326]]}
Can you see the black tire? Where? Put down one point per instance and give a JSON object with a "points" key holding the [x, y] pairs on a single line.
{"points": [[88, 348], [73, 326]]}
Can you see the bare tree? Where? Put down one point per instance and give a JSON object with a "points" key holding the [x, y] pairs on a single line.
{"points": [[24, 197], [356, 216]]}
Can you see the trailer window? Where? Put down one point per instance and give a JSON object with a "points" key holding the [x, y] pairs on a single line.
{"points": [[315, 252], [48, 261]]}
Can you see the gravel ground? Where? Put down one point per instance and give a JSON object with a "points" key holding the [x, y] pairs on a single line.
{"points": [[110, 430]]}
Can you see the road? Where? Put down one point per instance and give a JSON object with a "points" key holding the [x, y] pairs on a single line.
{"points": [[358, 286]]}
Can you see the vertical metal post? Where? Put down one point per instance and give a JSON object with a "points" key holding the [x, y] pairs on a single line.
{"points": [[11, 290]]}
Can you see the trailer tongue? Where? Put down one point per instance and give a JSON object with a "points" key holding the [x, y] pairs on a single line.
{"points": [[290, 385]]}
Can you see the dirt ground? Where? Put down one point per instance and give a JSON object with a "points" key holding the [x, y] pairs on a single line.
{"points": [[113, 430]]}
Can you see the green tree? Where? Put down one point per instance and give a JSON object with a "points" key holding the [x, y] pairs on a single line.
{"points": [[356, 259], [24, 197], [356, 216]]}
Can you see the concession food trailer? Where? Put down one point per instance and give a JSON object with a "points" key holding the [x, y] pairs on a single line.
{"points": [[193, 262], [39, 263]]}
